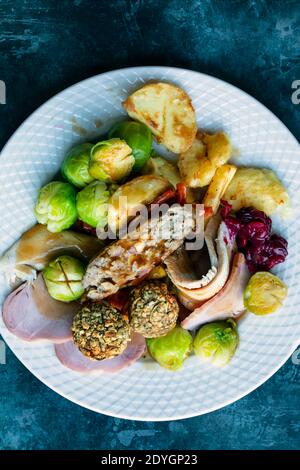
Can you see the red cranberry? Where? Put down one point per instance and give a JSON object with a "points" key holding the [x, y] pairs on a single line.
{"points": [[233, 226], [247, 214], [226, 209], [242, 238], [252, 229], [276, 246], [257, 230]]}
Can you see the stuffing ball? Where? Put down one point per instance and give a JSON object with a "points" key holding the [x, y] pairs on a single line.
{"points": [[100, 331], [153, 311]]}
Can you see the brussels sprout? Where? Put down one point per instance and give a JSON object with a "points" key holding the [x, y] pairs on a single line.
{"points": [[264, 293], [111, 160], [75, 167], [63, 278], [171, 350], [92, 203], [216, 342], [56, 206], [138, 137]]}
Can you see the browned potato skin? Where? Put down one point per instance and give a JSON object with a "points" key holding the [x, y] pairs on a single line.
{"points": [[167, 110], [198, 164]]}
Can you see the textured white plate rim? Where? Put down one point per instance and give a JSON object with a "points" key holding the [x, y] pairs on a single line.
{"points": [[160, 419], [153, 67], [123, 415]]}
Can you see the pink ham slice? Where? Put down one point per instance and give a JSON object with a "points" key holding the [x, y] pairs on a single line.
{"points": [[31, 314], [70, 356], [228, 303]]}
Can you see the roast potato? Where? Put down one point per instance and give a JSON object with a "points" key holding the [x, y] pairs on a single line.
{"points": [[218, 147], [167, 110], [161, 167], [260, 188], [139, 191], [198, 164], [218, 186]]}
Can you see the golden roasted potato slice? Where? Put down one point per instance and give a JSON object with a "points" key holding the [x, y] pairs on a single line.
{"points": [[195, 168], [260, 188], [167, 110], [161, 167], [218, 186], [127, 199], [218, 148], [198, 164]]}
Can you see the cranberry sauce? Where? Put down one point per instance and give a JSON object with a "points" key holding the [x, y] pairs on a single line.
{"points": [[252, 230]]}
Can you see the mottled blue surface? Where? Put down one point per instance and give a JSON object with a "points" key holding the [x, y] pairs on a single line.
{"points": [[48, 45]]}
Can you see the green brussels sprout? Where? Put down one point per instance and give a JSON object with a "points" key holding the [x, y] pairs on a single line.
{"points": [[217, 342], [75, 167], [63, 278], [92, 203], [138, 136], [56, 206], [111, 160], [171, 350]]}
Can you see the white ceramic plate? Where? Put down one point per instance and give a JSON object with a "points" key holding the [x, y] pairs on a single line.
{"points": [[33, 156]]}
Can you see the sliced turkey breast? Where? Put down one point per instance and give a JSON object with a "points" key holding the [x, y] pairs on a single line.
{"points": [[200, 275], [227, 303]]}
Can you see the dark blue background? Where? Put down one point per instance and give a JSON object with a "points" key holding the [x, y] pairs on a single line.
{"points": [[46, 46]]}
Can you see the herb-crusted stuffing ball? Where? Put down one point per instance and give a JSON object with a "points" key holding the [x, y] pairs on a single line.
{"points": [[100, 331], [153, 311]]}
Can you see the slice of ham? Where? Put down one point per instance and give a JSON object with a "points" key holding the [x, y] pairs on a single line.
{"points": [[70, 356], [228, 303], [31, 314]]}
